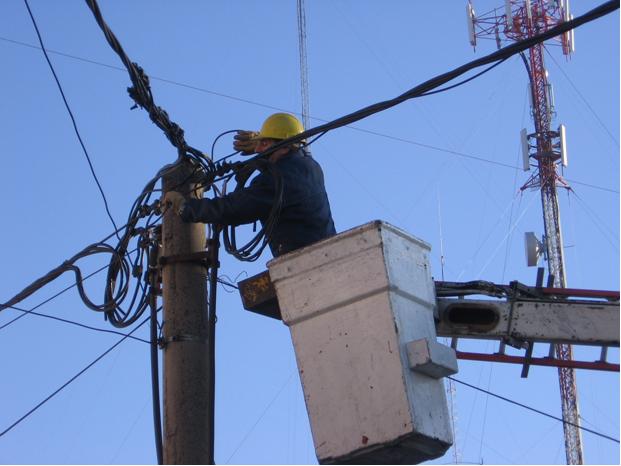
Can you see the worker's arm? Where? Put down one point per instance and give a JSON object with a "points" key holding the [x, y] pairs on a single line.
{"points": [[239, 207]]}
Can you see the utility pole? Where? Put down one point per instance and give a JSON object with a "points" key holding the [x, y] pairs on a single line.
{"points": [[185, 329], [523, 19]]}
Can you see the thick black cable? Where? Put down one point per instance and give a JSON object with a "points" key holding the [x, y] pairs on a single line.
{"points": [[64, 290], [75, 126], [72, 379], [141, 93], [460, 83], [213, 248], [155, 377], [508, 400], [68, 265]]}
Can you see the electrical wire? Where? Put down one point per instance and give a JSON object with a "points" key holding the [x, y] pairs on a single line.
{"points": [[460, 83], [252, 250], [604, 229], [213, 249], [154, 357], [75, 126], [26, 312], [120, 269], [71, 380], [586, 102], [279, 109], [265, 410], [213, 146], [67, 321], [508, 400]]}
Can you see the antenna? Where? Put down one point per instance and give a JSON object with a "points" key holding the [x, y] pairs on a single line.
{"points": [[471, 19], [529, 11], [572, 47], [562, 135], [525, 150], [533, 248], [508, 15], [567, 40]]}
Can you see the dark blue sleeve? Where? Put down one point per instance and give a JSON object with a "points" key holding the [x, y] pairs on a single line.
{"points": [[239, 207]]}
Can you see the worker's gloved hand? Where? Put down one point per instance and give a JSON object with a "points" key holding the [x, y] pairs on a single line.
{"points": [[173, 200], [245, 142]]}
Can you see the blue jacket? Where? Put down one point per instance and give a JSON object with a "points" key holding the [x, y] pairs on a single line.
{"points": [[305, 217]]}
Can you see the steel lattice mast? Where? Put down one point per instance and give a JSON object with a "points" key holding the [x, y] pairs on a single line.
{"points": [[520, 20], [301, 13]]}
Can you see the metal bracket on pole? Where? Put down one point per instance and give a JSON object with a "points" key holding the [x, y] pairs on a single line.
{"points": [[201, 258], [163, 342]]}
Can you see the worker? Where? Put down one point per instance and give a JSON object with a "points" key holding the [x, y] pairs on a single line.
{"points": [[305, 216]]}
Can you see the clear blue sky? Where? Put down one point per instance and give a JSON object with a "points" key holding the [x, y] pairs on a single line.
{"points": [[228, 65]]}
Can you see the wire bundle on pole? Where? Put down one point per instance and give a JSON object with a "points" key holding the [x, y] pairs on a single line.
{"points": [[120, 271], [140, 92]]}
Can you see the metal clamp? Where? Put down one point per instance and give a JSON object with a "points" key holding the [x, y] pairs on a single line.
{"points": [[201, 258]]}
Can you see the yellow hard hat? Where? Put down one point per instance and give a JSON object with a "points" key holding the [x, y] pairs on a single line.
{"points": [[280, 126]]}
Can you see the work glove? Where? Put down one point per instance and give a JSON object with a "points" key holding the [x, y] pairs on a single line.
{"points": [[245, 142], [174, 200]]}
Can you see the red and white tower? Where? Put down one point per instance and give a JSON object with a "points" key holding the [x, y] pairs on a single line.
{"points": [[545, 150]]}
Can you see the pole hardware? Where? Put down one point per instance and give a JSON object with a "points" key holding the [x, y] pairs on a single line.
{"points": [[201, 258], [163, 342]]}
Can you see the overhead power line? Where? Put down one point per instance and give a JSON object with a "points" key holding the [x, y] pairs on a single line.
{"points": [[508, 400], [71, 322], [75, 125], [280, 109]]}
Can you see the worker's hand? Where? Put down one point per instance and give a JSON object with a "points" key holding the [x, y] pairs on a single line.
{"points": [[173, 200], [245, 142]]}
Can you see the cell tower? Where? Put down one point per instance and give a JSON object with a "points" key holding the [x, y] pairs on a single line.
{"points": [[522, 19]]}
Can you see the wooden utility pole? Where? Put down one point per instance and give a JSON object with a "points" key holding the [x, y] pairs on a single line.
{"points": [[185, 329]]}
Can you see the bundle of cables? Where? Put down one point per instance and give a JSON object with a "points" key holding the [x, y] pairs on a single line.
{"points": [[251, 251]]}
